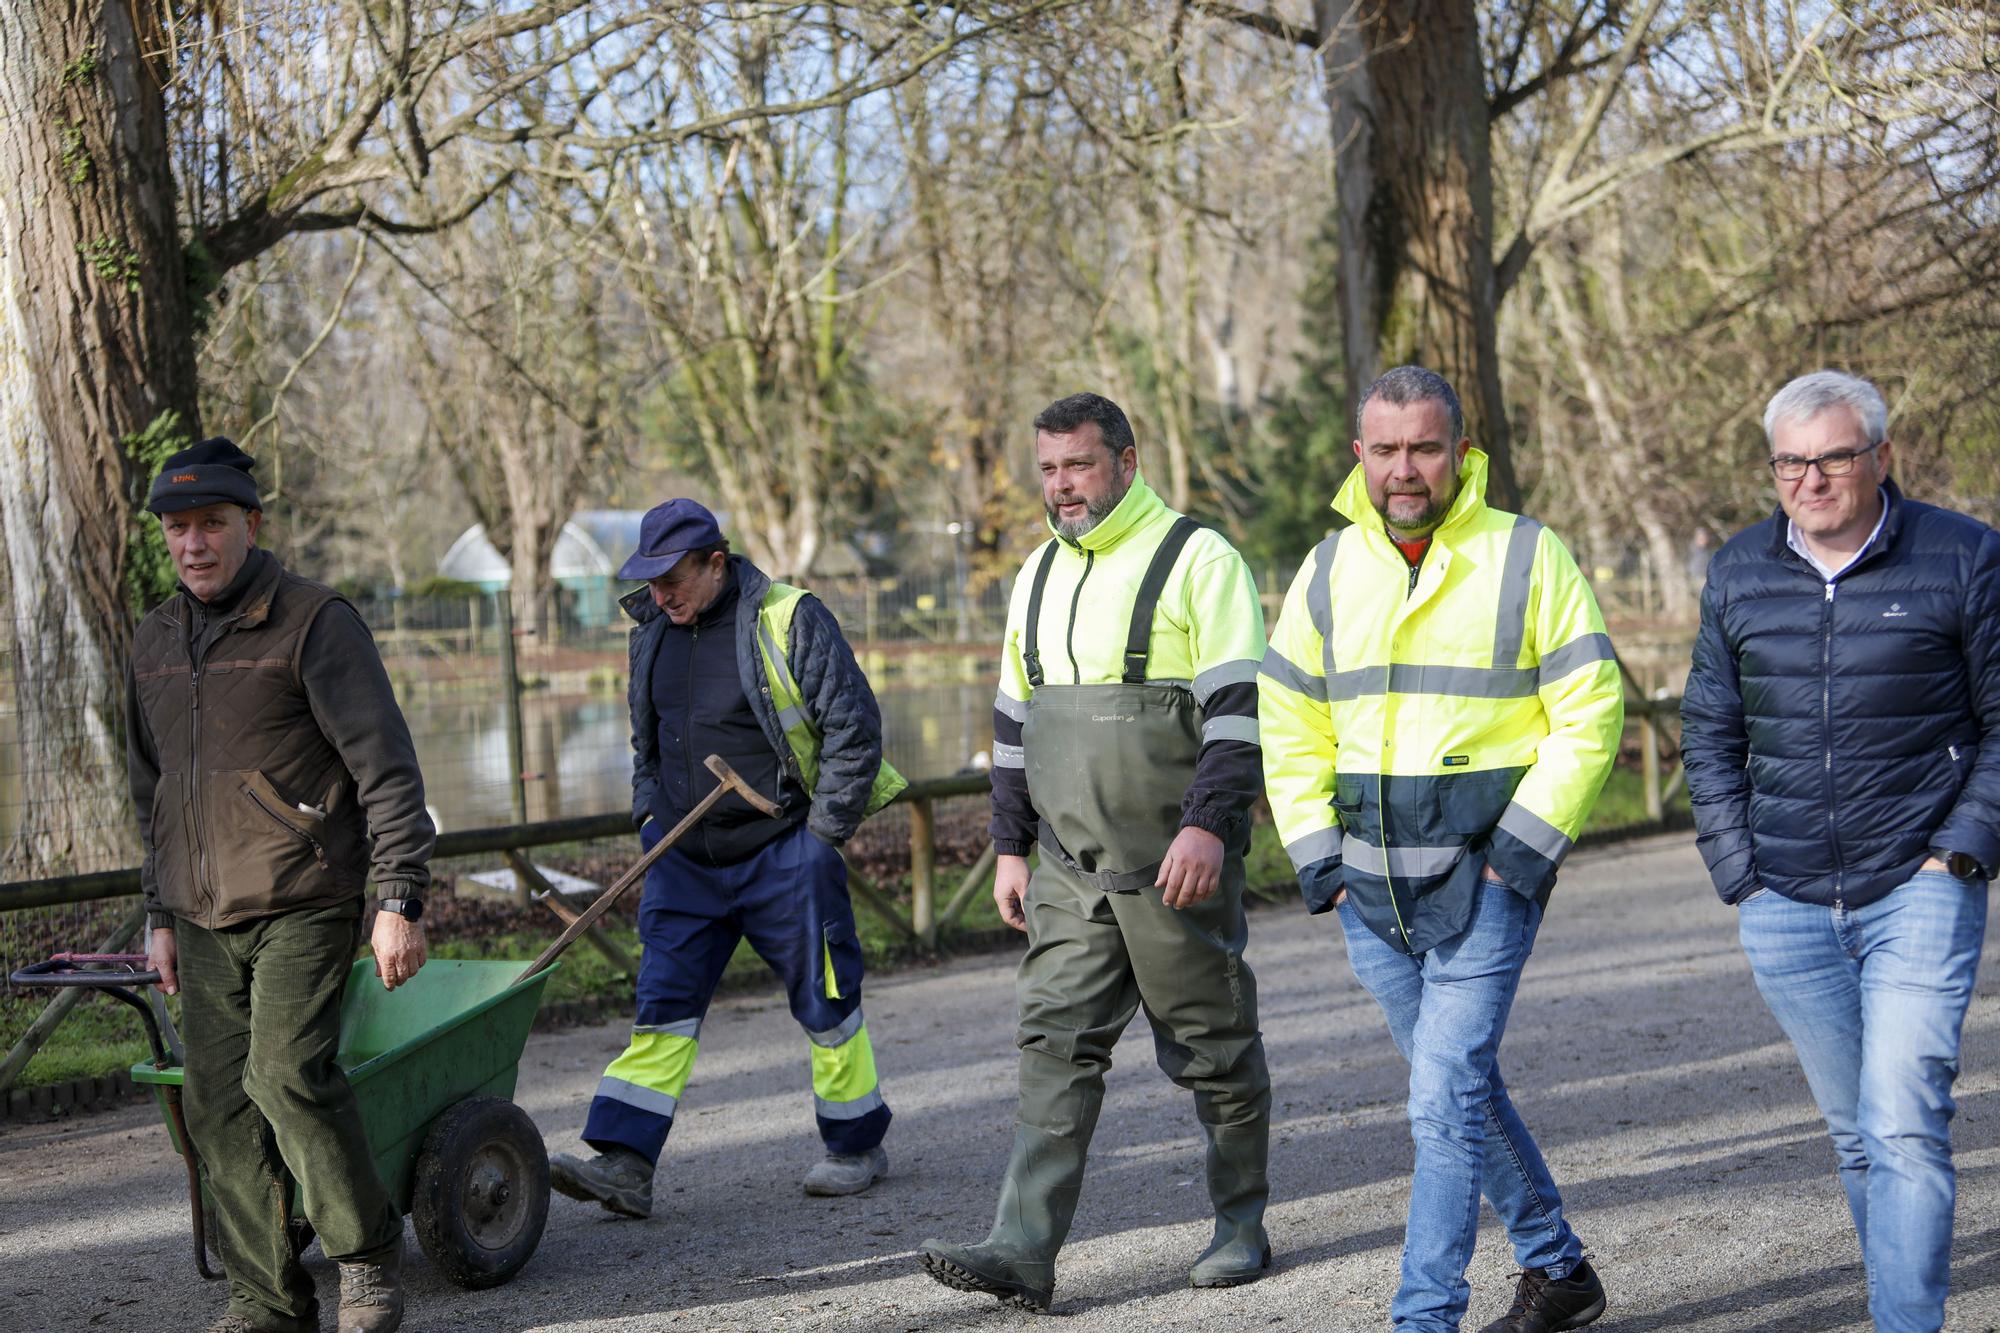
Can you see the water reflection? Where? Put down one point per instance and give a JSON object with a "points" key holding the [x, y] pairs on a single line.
{"points": [[579, 748]]}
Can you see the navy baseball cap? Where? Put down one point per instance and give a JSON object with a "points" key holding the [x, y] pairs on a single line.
{"points": [[668, 532]]}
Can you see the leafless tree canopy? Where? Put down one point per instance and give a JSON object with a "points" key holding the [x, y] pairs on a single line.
{"points": [[818, 264]]}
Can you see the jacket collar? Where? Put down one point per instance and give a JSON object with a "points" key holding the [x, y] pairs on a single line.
{"points": [[1353, 504], [1892, 526], [1141, 503], [247, 599]]}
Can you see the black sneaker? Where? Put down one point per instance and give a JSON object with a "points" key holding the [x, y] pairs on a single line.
{"points": [[1543, 1304]]}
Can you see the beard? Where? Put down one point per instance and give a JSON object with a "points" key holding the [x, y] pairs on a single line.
{"points": [[1094, 512], [1426, 519]]}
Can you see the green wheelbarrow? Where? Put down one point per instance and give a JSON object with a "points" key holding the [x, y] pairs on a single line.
{"points": [[433, 1065]]}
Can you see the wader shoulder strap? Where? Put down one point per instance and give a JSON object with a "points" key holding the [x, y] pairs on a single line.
{"points": [[1139, 639], [1031, 651]]}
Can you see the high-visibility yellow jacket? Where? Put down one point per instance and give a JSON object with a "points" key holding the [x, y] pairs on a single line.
{"points": [[1420, 725], [1207, 634]]}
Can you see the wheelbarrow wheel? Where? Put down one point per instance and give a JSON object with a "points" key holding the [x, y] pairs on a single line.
{"points": [[482, 1192]]}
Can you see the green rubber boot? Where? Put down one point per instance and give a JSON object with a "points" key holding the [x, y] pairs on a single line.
{"points": [[1017, 1261], [1240, 1251]]}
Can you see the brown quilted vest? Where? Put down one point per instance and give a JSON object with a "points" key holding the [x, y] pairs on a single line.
{"points": [[241, 759]]}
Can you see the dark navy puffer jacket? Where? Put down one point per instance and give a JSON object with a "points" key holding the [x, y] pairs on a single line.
{"points": [[836, 694], [1835, 734]]}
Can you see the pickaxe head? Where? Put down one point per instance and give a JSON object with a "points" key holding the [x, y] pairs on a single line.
{"points": [[733, 780]]}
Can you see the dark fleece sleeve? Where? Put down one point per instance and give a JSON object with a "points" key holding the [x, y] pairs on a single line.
{"points": [[1228, 773], [357, 712], [843, 706], [1014, 821]]}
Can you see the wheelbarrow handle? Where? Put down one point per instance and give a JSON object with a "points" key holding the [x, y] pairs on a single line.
{"points": [[62, 970]]}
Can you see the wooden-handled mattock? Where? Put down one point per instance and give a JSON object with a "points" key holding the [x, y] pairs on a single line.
{"points": [[728, 780]]}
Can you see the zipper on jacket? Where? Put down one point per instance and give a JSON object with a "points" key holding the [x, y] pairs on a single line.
{"points": [[1411, 591], [319, 852], [1388, 875], [687, 751], [1826, 736], [1076, 598], [203, 889]]}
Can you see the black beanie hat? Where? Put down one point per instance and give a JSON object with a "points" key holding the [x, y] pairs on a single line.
{"points": [[212, 472]]}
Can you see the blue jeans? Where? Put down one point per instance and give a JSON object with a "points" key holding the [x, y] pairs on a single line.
{"points": [[1447, 1009], [1873, 999]]}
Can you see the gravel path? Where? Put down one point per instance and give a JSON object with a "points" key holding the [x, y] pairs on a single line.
{"points": [[1670, 1108]]}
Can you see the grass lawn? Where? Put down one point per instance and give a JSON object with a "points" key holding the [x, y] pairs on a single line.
{"points": [[101, 1036]]}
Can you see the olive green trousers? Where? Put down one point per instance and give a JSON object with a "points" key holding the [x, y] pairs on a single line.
{"points": [[267, 1104]]}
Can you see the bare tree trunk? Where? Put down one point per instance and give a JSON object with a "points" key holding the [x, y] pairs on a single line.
{"points": [[1413, 174], [96, 359]]}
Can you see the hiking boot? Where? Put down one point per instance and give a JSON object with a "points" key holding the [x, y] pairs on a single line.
{"points": [[1022, 1283], [847, 1173], [371, 1292], [621, 1180], [1543, 1304]]}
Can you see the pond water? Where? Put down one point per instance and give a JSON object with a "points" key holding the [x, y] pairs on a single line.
{"points": [[580, 749]]}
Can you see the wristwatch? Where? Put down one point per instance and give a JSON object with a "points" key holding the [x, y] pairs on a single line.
{"points": [[1965, 866], [410, 909]]}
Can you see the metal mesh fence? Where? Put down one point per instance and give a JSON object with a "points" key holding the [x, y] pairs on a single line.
{"points": [[927, 648]]}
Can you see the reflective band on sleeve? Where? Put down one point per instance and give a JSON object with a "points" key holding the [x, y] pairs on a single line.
{"points": [[854, 1110], [1229, 729], [686, 1027], [1541, 836], [1292, 676], [1243, 671], [1580, 651], [838, 1036], [1316, 846], [1517, 580], [1012, 707], [1407, 862], [1009, 756]]}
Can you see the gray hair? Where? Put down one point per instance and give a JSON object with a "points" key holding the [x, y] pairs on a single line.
{"points": [[1413, 384], [1809, 395]]}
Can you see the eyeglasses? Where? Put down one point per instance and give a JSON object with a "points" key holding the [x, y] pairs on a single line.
{"points": [[1836, 464]]}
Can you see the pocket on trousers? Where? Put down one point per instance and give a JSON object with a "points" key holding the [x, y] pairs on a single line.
{"points": [[840, 960]]}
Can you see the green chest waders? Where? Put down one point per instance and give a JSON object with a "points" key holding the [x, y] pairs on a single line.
{"points": [[1107, 767]]}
